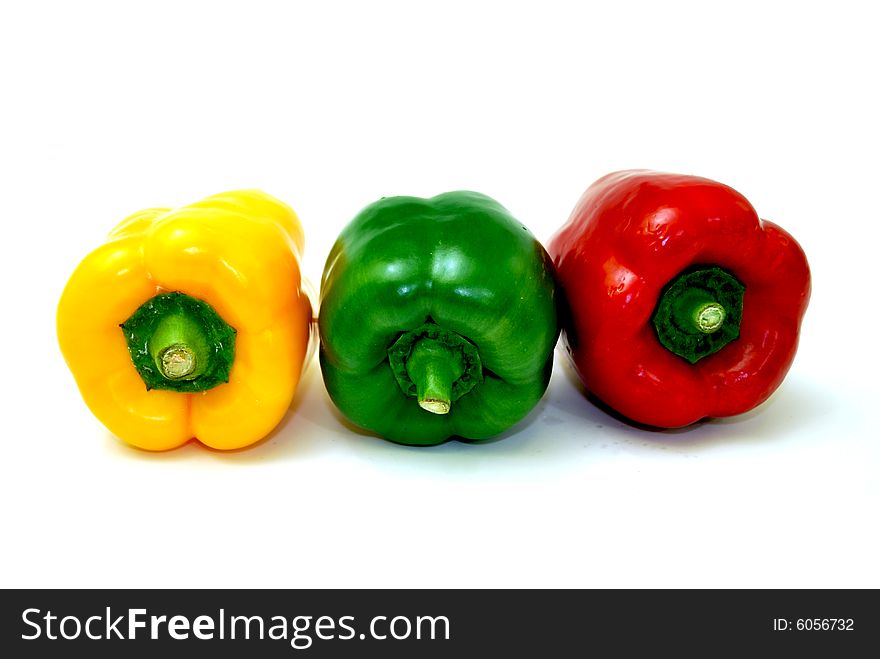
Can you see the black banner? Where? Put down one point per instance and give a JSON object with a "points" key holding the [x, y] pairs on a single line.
{"points": [[290, 623]]}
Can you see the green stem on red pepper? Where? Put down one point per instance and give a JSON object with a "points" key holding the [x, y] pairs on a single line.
{"points": [[699, 312]]}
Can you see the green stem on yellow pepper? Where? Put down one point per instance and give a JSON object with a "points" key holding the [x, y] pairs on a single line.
{"points": [[179, 343]]}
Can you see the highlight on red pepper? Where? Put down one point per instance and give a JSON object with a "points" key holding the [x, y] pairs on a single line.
{"points": [[438, 319], [681, 303]]}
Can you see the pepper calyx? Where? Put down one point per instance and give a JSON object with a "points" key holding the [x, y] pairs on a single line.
{"points": [[179, 343], [699, 312], [435, 366]]}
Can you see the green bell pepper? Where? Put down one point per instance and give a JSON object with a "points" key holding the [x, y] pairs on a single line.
{"points": [[438, 319]]}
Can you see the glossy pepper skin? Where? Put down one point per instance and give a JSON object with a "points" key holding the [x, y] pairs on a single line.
{"points": [[231, 262], [631, 237], [438, 319]]}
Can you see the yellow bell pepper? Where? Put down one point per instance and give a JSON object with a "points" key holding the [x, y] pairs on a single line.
{"points": [[191, 323]]}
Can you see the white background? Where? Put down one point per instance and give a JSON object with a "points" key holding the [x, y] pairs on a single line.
{"points": [[106, 108]]}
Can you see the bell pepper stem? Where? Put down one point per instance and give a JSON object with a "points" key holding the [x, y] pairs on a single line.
{"points": [[179, 348], [699, 312], [709, 317], [435, 365], [179, 343], [696, 309], [434, 368]]}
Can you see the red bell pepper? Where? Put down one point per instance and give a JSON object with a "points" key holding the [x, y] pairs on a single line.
{"points": [[682, 303]]}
